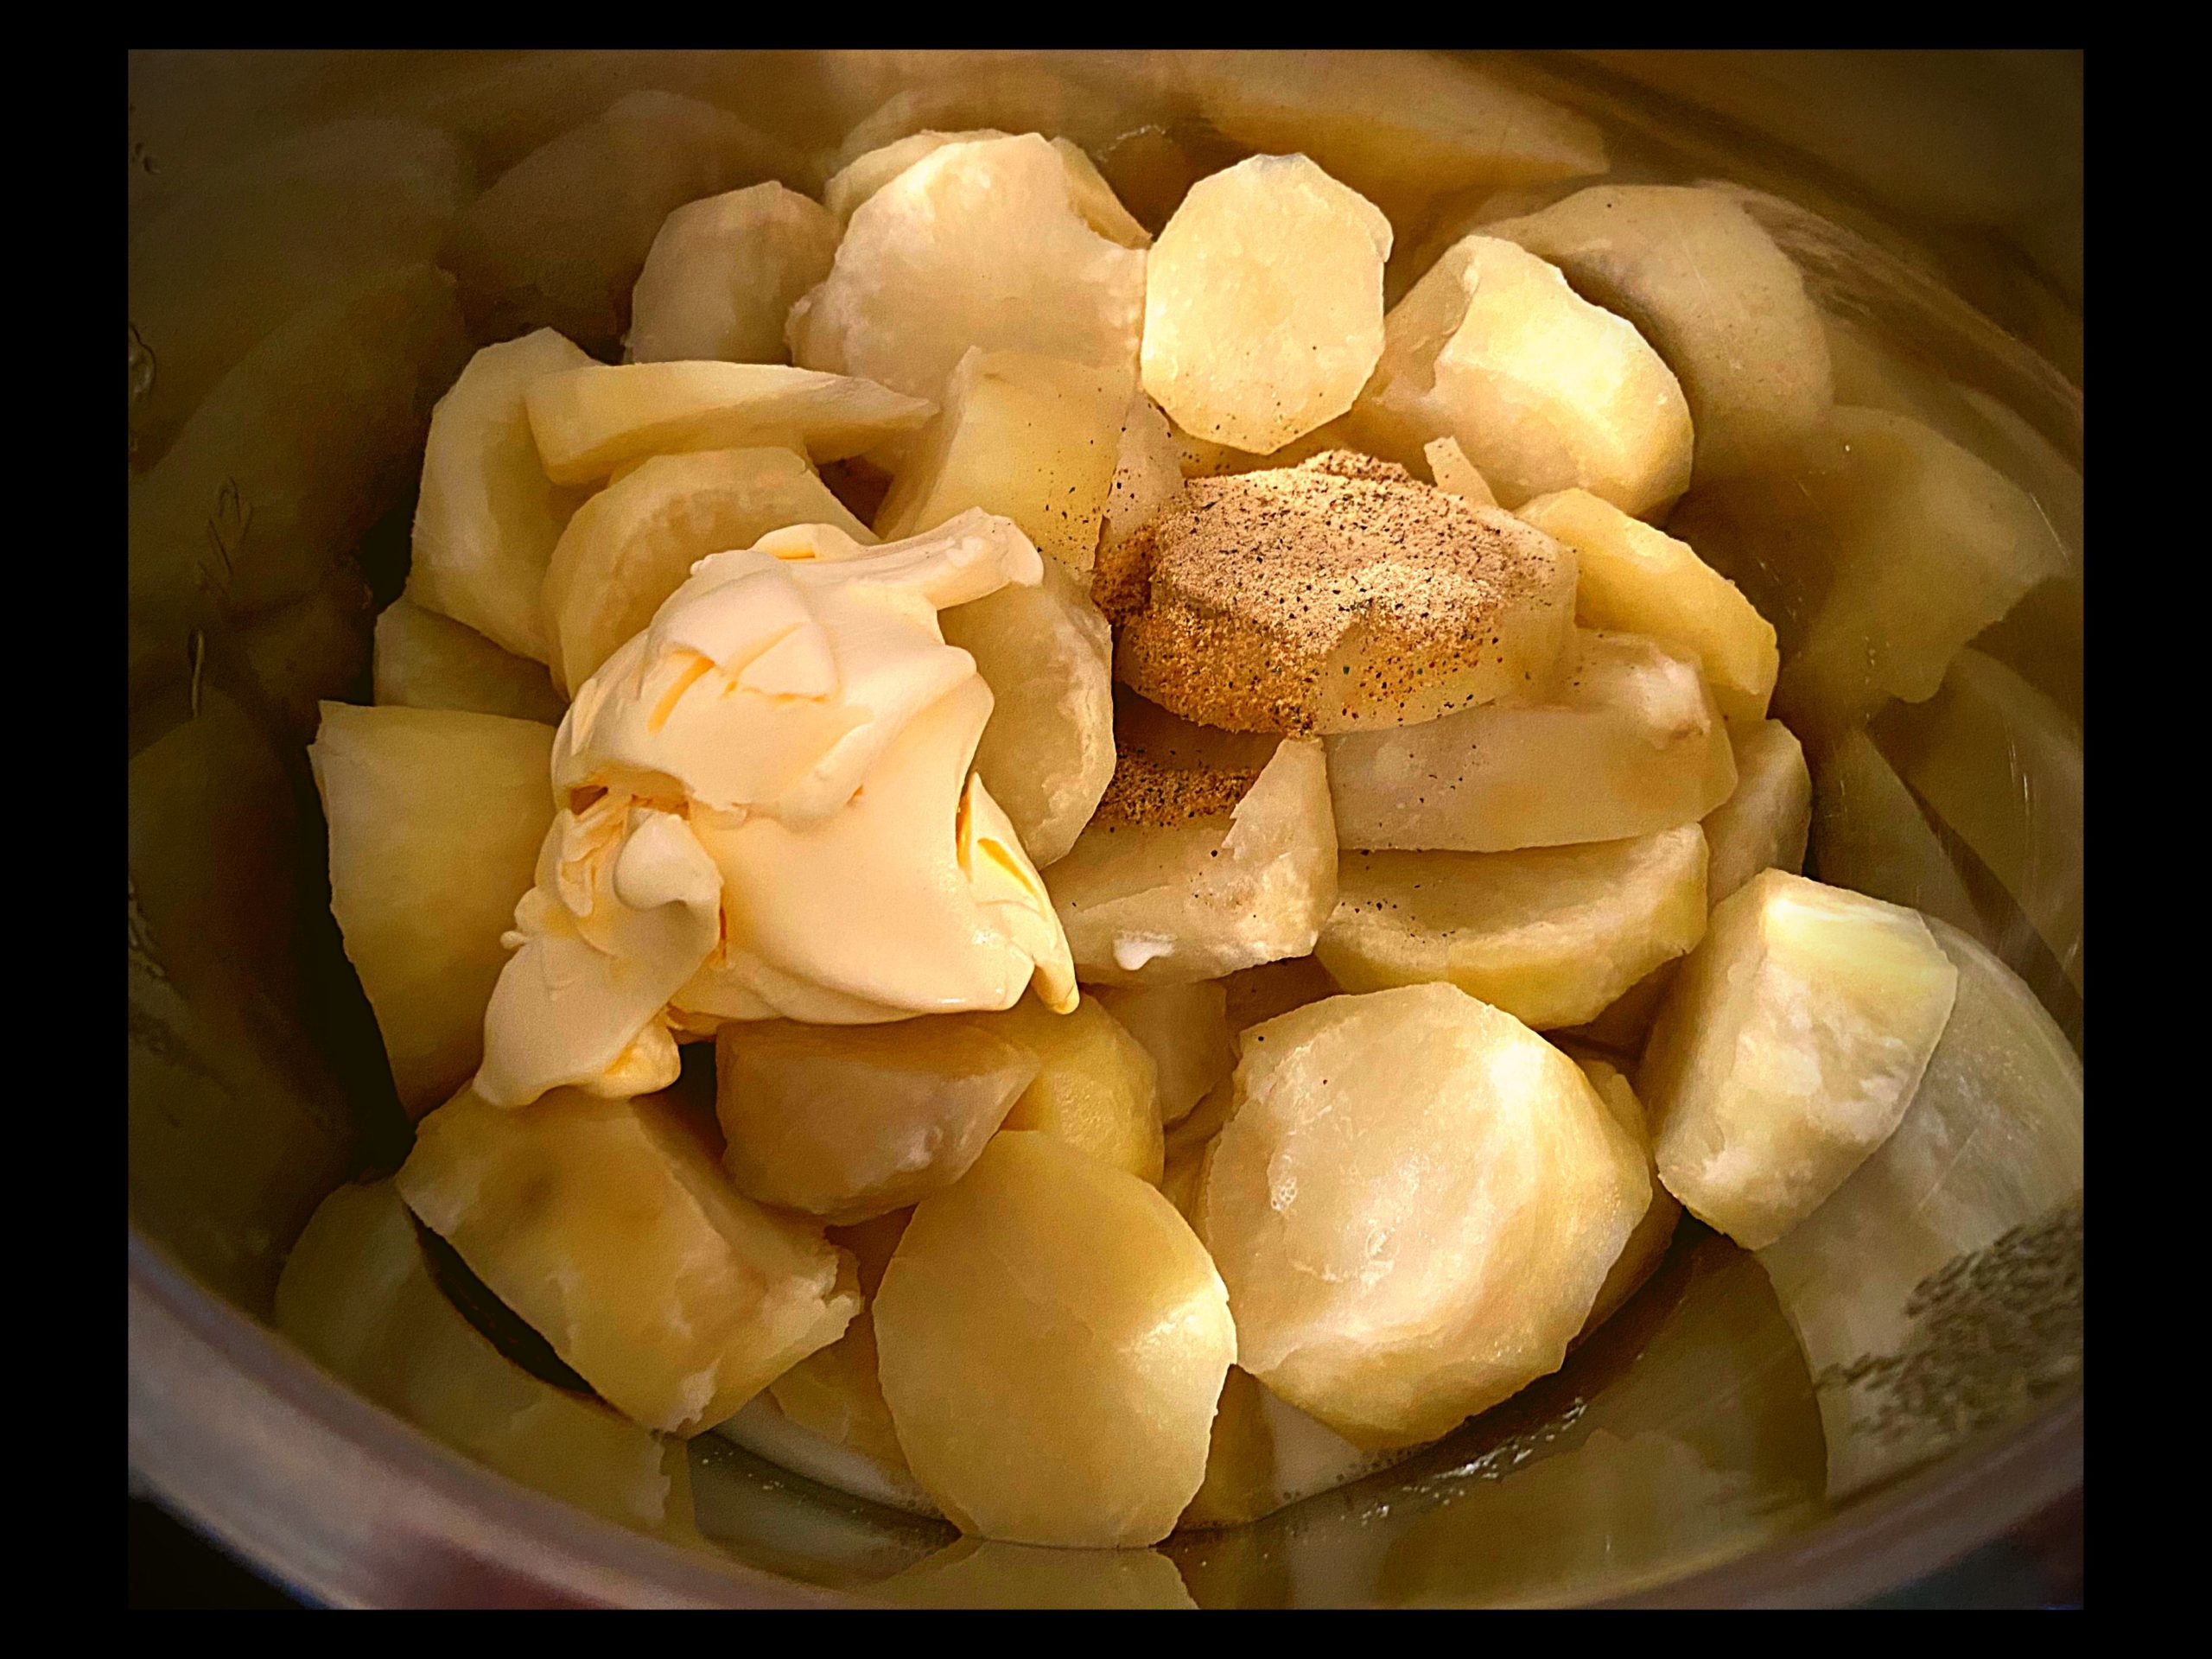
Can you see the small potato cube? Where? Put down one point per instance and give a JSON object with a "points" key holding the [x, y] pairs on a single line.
{"points": [[1186, 1030], [1264, 303], [609, 1227], [1720, 302], [1639, 1258], [435, 819], [849, 1122], [979, 243], [1031, 438], [1552, 935], [724, 272], [1633, 579], [1096, 1087], [1455, 474], [1542, 390], [1053, 1341], [1166, 903], [1413, 1206], [590, 421], [425, 660], [1629, 744], [1788, 1049], [633, 545]]}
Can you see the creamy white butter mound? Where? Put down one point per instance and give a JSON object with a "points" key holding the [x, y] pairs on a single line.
{"points": [[768, 810]]}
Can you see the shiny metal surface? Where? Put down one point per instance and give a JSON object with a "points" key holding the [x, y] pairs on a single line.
{"points": [[1924, 195]]}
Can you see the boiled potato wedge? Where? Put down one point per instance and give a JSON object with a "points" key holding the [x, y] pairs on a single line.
{"points": [[1186, 1030], [833, 1392], [1266, 1454], [1096, 1086], [723, 273], [1087, 190], [1639, 1258], [425, 660], [1147, 476], [1455, 474]]}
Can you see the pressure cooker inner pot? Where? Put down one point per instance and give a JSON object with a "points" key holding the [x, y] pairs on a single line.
{"points": [[319, 240]]}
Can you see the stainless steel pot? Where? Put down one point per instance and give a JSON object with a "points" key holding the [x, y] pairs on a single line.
{"points": [[1934, 201]]}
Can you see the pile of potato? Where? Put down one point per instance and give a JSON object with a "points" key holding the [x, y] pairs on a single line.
{"points": [[1396, 1066]]}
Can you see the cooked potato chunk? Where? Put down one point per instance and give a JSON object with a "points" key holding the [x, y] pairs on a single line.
{"points": [[1552, 935], [1455, 474], [1096, 1087], [1031, 438], [1542, 390], [1166, 902], [1088, 191], [978, 244], [851, 1122], [724, 272], [357, 1295], [425, 660], [633, 545], [1633, 579], [1413, 1206], [1708, 288], [1788, 1050], [1053, 1340], [1991, 1144], [436, 818], [609, 1226], [589, 422], [1266, 1454], [833, 1392], [1148, 477], [1264, 303], [1186, 1030], [1629, 744], [1639, 1258]]}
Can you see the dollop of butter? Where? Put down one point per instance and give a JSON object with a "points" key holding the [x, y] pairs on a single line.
{"points": [[769, 809]]}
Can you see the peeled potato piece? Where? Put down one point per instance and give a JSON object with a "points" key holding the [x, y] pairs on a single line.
{"points": [[1633, 579], [1166, 903], [724, 272], [1788, 1049], [1264, 303], [1720, 302], [1148, 477], [1413, 1206], [1096, 1086], [1088, 191], [1870, 835], [833, 1392], [1552, 935], [425, 660], [436, 818], [589, 422], [1543, 390], [608, 1225], [1455, 474], [976, 243], [1266, 1454], [633, 545], [1639, 1258], [357, 1295], [1031, 438], [1980, 1172], [849, 1122], [1629, 744], [1053, 1340], [1186, 1030]]}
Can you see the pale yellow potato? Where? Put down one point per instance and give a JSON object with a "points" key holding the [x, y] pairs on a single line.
{"points": [[1629, 744], [1147, 476], [1552, 935], [1096, 1086], [559, 238], [1633, 579], [833, 1392], [983, 1572], [1991, 1143], [1264, 303], [292, 456], [1086, 96], [1166, 903], [1640, 1257], [591, 421], [1869, 834], [1455, 474], [1413, 1206], [487, 518], [1266, 1454], [1053, 1338], [1034, 439], [979, 243], [609, 1227], [357, 1295], [1186, 1030], [1543, 390], [435, 819], [1788, 1050], [425, 660], [633, 543], [2000, 765], [724, 272], [849, 1122], [1088, 191], [1713, 294]]}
